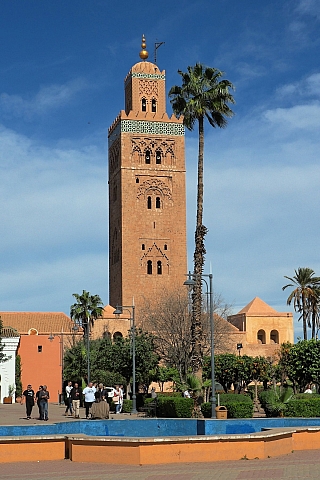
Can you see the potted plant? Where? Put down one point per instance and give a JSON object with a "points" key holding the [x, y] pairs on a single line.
{"points": [[11, 390]]}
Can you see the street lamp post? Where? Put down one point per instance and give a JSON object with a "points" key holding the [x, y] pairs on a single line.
{"points": [[88, 350], [190, 282], [118, 311]]}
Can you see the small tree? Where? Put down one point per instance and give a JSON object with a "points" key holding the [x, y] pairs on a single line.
{"points": [[18, 377], [226, 370], [306, 286], [3, 357], [170, 322]]}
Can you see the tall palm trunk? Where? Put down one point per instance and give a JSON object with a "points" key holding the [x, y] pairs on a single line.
{"points": [[304, 316], [199, 253]]}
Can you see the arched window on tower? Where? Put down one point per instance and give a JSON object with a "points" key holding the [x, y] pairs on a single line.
{"points": [[158, 157], [143, 247], [144, 105], [159, 267], [158, 203], [149, 267], [154, 105], [147, 157], [149, 203]]}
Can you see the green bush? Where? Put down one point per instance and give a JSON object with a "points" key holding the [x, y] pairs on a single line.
{"points": [[127, 406], [206, 409], [303, 405], [265, 396], [238, 406], [174, 407], [275, 402]]}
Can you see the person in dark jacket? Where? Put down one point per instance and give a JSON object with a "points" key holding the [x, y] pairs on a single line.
{"points": [[75, 398], [29, 400]]}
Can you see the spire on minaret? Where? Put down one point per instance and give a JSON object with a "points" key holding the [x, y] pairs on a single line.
{"points": [[143, 54]]}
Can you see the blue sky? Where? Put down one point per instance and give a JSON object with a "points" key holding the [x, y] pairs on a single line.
{"points": [[62, 66]]}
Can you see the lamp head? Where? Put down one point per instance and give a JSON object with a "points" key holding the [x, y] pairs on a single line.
{"points": [[190, 283], [118, 311]]}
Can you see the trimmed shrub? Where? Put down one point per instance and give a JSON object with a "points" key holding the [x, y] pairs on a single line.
{"points": [[127, 406], [303, 405], [238, 406], [174, 407]]}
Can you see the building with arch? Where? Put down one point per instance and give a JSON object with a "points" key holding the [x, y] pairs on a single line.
{"points": [[263, 328]]}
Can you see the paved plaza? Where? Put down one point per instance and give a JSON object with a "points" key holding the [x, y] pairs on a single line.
{"points": [[304, 464]]}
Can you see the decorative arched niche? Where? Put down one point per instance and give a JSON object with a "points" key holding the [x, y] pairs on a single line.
{"points": [[117, 335], [261, 336], [274, 336]]}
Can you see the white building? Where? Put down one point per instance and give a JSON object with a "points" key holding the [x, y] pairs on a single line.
{"points": [[10, 340]]}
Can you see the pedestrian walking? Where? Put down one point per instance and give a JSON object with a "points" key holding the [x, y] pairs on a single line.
{"points": [[68, 400], [75, 398], [89, 397], [38, 401], [44, 397], [29, 396], [116, 399]]}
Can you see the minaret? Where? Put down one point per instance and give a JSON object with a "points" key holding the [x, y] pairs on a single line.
{"points": [[147, 197]]}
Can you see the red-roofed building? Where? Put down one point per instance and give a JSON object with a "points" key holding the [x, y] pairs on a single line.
{"points": [[43, 338]]}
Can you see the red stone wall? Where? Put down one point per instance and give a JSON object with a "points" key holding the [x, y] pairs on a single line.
{"points": [[41, 367]]}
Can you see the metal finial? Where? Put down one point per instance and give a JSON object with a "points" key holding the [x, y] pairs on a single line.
{"points": [[143, 54]]}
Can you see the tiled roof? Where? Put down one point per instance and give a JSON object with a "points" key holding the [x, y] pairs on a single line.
{"points": [[43, 322], [226, 325], [258, 307]]}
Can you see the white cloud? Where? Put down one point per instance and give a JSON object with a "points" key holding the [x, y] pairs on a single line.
{"points": [[54, 222], [297, 117], [310, 7], [46, 99], [308, 87]]}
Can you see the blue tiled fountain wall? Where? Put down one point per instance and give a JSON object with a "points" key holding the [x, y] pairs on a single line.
{"points": [[155, 427]]}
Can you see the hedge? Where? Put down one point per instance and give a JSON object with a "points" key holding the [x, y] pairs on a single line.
{"points": [[127, 406], [303, 405], [300, 405], [238, 406], [174, 407]]}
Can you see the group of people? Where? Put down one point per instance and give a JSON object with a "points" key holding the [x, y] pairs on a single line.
{"points": [[41, 398], [95, 400]]}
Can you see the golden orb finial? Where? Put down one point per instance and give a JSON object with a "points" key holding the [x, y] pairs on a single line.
{"points": [[143, 54]]}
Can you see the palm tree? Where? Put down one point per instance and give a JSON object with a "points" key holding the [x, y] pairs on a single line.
{"points": [[202, 95], [84, 312], [304, 282], [314, 309]]}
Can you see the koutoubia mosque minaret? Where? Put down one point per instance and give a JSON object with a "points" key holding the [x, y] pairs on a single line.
{"points": [[147, 193]]}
